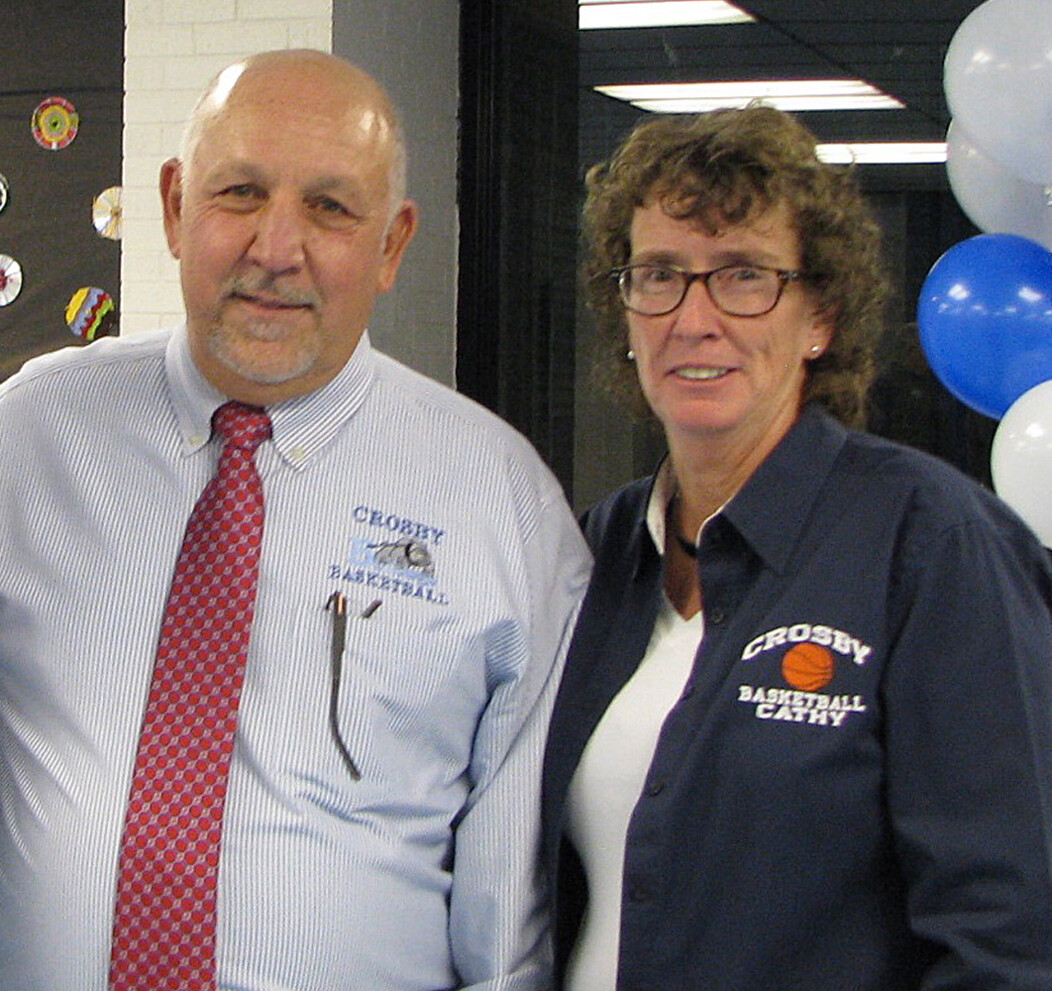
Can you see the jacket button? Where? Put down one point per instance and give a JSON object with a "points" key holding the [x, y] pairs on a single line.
{"points": [[638, 891], [717, 616], [655, 788]]}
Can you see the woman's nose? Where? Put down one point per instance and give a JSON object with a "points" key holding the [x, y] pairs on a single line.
{"points": [[697, 313]]}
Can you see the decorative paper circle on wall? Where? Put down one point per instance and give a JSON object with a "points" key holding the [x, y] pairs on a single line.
{"points": [[10, 279], [4, 187], [90, 313], [106, 213], [55, 123]]}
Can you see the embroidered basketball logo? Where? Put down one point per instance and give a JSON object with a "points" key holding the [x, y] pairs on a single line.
{"points": [[409, 555], [402, 561], [814, 656], [808, 667]]}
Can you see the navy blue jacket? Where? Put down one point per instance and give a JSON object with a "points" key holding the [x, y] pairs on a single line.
{"points": [[854, 791]]}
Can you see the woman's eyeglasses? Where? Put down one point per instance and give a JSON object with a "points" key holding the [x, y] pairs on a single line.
{"points": [[737, 290]]}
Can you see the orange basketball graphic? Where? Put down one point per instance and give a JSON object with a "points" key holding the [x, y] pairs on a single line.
{"points": [[808, 667]]}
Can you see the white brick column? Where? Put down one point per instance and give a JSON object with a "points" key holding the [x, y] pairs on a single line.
{"points": [[171, 49]]}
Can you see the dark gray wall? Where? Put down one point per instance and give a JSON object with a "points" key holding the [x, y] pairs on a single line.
{"points": [[73, 50]]}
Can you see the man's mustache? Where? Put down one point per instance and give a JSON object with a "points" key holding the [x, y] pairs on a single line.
{"points": [[270, 289]]}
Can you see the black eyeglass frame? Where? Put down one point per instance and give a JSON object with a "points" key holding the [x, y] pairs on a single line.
{"points": [[785, 276]]}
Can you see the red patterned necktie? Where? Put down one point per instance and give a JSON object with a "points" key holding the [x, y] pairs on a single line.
{"points": [[164, 927]]}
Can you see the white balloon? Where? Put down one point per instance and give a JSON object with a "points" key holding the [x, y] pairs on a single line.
{"points": [[998, 81], [995, 199], [1021, 459]]}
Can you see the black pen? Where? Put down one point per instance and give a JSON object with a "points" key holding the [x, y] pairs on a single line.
{"points": [[337, 605]]}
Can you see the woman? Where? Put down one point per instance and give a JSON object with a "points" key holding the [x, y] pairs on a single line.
{"points": [[804, 738]]}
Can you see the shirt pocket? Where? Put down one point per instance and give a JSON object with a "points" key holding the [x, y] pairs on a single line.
{"points": [[410, 690]]}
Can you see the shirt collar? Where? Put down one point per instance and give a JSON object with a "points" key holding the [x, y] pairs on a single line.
{"points": [[302, 426], [771, 524], [661, 493]]}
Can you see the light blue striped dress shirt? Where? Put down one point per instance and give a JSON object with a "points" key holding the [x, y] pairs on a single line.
{"points": [[395, 490]]}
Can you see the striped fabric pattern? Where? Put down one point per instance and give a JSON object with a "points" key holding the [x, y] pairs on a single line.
{"points": [[462, 568]]}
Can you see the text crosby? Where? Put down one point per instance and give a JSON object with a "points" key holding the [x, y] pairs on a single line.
{"points": [[398, 524], [824, 636]]}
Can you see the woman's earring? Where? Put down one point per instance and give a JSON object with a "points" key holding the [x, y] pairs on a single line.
{"points": [[816, 349], [630, 355]]}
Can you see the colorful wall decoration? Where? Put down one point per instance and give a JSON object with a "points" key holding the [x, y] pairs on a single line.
{"points": [[61, 122]]}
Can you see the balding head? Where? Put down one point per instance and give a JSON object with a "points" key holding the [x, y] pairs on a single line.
{"points": [[267, 75]]}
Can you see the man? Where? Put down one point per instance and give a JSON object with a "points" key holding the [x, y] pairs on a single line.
{"points": [[417, 573]]}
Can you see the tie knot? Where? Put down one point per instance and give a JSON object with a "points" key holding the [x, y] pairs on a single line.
{"points": [[241, 426]]}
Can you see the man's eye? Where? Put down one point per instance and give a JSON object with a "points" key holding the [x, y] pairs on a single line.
{"points": [[240, 196], [239, 191], [330, 206], [333, 213]]}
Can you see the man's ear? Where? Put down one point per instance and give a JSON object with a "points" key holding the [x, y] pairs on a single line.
{"points": [[171, 183], [400, 232]]}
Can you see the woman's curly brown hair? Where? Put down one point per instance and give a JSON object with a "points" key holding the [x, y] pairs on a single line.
{"points": [[721, 169]]}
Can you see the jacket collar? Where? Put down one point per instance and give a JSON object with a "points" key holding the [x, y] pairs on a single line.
{"points": [[759, 511]]}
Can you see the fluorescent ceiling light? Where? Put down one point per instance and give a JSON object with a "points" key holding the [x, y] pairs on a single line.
{"points": [[884, 153], [656, 13], [792, 95]]}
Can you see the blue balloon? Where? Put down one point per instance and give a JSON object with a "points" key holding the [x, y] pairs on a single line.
{"points": [[985, 320]]}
